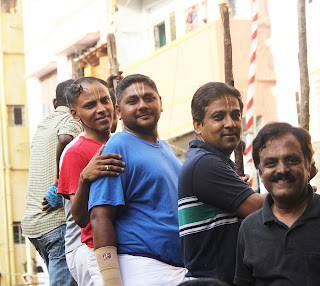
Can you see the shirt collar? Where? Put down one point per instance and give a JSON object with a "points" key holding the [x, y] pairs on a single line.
{"points": [[61, 108], [312, 209], [204, 145]]}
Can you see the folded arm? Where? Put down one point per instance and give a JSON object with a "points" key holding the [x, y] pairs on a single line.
{"points": [[105, 243], [95, 169]]}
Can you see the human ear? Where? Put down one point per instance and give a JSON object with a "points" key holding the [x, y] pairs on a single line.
{"points": [[260, 173], [117, 110], [75, 114], [161, 103], [197, 127], [312, 170], [55, 103], [115, 114]]}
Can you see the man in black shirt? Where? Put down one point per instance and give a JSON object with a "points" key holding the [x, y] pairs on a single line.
{"points": [[279, 244]]}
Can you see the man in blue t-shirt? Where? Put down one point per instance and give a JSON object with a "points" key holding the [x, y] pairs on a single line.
{"points": [[134, 216], [212, 197]]}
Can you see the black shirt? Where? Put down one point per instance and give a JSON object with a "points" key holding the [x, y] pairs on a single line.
{"points": [[271, 253]]}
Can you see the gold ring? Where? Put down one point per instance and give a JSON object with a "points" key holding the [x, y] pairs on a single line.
{"points": [[107, 167]]}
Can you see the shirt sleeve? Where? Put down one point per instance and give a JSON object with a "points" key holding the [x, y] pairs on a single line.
{"points": [[72, 165], [243, 275], [71, 127], [216, 183], [109, 190]]}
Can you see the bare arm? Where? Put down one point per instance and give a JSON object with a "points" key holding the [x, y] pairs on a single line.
{"points": [[95, 169], [79, 203], [102, 226], [250, 205], [105, 243], [63, 141], [118, 77]]}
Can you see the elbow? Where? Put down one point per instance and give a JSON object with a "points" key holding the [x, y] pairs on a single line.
{"points": [[64, 139], [97, 219], [102, 215], [81, 220]]}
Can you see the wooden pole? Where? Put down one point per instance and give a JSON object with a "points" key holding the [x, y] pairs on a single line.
{"points": [[112, 55], [227, 44], [298, 106], [238, 152], [303, 64]]}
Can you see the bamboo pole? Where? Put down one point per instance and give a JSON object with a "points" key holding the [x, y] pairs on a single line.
{"points": [[303, 64], [112, 56], [238, 152], [298, 106]]}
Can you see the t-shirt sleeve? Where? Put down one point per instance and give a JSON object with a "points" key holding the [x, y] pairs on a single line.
{"points": [[109, 190], [70, 127], [72, 166], [216, 183], [243, 275]]}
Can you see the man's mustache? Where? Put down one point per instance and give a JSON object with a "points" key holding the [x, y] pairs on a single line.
{"points": [[283, 177]]}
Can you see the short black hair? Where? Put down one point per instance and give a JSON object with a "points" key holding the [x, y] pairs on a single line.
{"points": [[130, 79], [276, 129], [208, 92], [61, 100], [74, 90]]}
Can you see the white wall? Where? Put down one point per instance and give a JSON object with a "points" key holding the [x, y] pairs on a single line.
{"points": [[284, 47], [52, 26]]}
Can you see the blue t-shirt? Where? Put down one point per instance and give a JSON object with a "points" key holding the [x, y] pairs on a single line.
{"points": [[147, 196]]}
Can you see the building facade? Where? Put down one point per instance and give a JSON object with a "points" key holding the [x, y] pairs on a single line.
{"points": [[177, 43], [14, 145]]}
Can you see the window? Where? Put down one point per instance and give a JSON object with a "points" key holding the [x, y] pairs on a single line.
{"points": [[172, 19], [77, 69], [9, 6], [160, 35], [196, 16], [48, 86], [16, 115], [232, 8], [17, 233]]}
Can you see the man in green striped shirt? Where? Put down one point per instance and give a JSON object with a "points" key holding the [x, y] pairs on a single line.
{"points": [[212, 197]]}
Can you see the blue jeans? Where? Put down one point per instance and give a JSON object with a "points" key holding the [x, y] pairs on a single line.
{"points": [[51, 248]]}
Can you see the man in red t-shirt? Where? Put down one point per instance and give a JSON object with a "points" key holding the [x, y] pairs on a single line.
{"points": [[91, 104]]}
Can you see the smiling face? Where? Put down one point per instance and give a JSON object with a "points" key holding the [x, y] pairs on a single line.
{"points": [[283, 169], [94, 109], [221, 126], [140, 109]]}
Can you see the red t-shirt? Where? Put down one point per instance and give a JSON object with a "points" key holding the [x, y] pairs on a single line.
{"points": [[74, 161]]}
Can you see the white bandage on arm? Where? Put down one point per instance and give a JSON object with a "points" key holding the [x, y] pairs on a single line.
{"points": [[107, 260]]}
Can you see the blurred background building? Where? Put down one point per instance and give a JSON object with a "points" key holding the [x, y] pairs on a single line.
{"points": [[14, 144], [178, 43]]}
